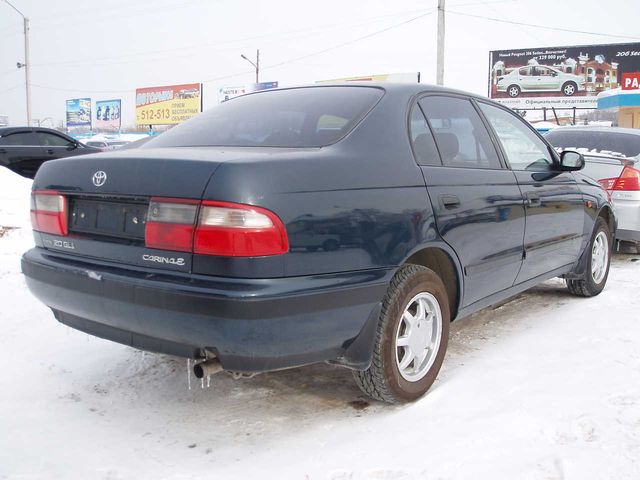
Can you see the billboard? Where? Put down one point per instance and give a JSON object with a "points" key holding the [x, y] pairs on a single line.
{"points": [[227, 93], [108, 114], [408, 77], [559, 77], [79, 112], [168, 105]]}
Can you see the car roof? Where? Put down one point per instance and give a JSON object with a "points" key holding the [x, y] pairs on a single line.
{"points": [[394, 88], [9, 130], [597, 128]]}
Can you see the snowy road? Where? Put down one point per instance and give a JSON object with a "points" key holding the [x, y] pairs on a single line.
{"points": [[546, 386]]}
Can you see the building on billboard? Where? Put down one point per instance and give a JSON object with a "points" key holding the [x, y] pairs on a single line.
{"points": [[168, 105], [108, 114], [407, 77], [78, 112], [559, 77]]}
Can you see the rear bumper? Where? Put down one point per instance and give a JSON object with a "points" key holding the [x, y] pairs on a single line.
{"points": [[627, 205], [250, 324], [628, 235]]}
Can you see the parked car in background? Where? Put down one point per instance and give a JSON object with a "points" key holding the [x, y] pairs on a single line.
{"points": [[539, 78], [24, 149], [101, 144], [620, 177], [408, 205], [625, 141]]}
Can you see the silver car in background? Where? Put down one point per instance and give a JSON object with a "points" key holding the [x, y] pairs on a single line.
{"points": [[620, 177], [612, 157], [539, 78]]}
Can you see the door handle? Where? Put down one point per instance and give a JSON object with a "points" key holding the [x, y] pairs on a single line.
{"points": [[532, 200], [3, 150], [450, 201], [50, 151]]}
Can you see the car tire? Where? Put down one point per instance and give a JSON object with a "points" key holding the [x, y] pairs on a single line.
{"points": [[513, 91], [569, 88], [596, 272], [415, 292]]}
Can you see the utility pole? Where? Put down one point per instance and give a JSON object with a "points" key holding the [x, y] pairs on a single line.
{"points": [[26, 65], [256, 65], [440, 48]]}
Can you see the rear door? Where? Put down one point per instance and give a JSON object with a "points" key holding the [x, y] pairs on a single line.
{"points": [[477, 203], [555, 214], [21, 152], [528, 79]]}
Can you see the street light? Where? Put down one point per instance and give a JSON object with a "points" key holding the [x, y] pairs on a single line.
{"points": [[26, 64], [256, 65]]}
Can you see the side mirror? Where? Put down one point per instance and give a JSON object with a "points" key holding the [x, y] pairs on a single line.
{"points": [[73, 146], [571, 160]]}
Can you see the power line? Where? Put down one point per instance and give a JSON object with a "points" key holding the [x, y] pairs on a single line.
{"points": [[7, 90], [480, 3], [134, 13], [524, 30], [279, 64], [117, 59], [544, 27], [349, 42]]}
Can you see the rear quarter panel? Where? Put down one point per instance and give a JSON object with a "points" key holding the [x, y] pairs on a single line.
{"points": [[359, 204]]}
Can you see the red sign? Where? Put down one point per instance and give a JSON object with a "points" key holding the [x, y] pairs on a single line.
{"points": [[631, 81]]}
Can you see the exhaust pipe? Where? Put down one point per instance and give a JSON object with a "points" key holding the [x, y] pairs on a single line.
{"points": [[207, 368]]}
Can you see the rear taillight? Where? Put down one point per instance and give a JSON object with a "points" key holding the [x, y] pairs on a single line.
{"points": [[629, 179], [214, 228], [607, 183], [49, 212], [234, 230], [170, 224]]}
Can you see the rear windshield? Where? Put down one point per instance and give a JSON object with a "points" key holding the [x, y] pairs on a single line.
{"points": [[624, 143], [299, 117]]}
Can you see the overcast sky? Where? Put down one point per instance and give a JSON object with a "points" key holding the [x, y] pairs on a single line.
{"points": [[104, 49]]}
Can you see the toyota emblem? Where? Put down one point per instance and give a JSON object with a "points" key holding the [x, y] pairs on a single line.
{"points": [[99, 178]]}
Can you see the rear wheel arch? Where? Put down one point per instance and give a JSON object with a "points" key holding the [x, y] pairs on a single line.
{"points": [[606, 213], [442, 263]]}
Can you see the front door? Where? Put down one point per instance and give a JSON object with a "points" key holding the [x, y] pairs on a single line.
{"points": [[476, 200], [57, 146], [555, 215]]}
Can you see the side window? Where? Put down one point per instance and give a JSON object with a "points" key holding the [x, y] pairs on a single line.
{"points": [[422, 140], [22, 138], [524, 71], [461, 136], [52, 140], [524, 149]]}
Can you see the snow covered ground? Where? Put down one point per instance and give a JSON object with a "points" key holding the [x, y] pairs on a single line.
{"points": [[546, 386]]}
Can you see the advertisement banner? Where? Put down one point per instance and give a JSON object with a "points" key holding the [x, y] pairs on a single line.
{"points": [[227, 93], [168, 105], [559, 77], [79, 112], [264, 86], [631, 81], [407, 77], [108, 114]]}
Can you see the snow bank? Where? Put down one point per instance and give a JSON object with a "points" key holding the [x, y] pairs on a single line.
{"points": [[545, 386]]}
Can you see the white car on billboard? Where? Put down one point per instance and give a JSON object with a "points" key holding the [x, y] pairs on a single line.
{"points": [[539, 78]]}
